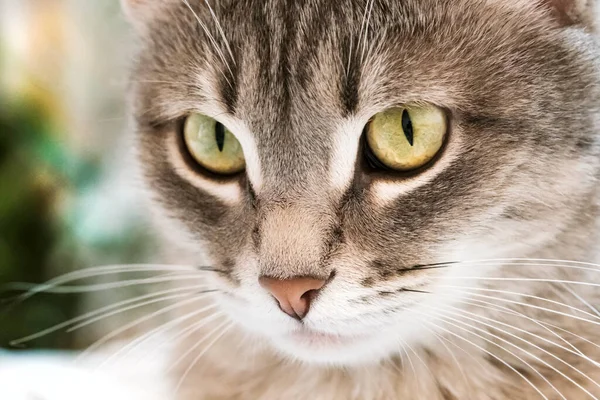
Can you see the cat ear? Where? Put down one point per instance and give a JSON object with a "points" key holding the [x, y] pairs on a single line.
{"points": [[575, 12]]}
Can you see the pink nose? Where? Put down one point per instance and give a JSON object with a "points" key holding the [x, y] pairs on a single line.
{"points": [[294, 295]]}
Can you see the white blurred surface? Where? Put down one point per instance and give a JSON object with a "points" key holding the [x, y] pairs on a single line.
{"points": [[55, 376]]}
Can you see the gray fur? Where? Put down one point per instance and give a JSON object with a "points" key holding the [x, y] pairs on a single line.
{"points": [[520, 82]]}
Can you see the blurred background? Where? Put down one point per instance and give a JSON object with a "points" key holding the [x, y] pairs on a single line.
{"points": [[68, 194]]}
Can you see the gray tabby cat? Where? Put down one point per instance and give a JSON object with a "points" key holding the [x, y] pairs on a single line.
{"points": [[397, 199]]}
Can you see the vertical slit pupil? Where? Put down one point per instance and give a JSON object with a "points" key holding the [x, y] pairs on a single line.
{"points": [[220, 135], [407, 127]]}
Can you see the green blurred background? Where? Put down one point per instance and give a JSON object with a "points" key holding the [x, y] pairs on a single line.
{"points": [[69, 198]]}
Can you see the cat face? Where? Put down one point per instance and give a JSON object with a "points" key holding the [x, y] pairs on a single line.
{"points": [[323, 249]]}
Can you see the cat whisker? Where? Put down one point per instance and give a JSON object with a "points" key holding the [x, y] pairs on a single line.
{"points": [[541, 324], [513, 369], [478, 319], [221, 32], [547, 324], [102, 310], [581, 299], [139, 321], [434, 265], [133, 307], [195, 327], [127, 349], [478, 289], [188, 331], [443, 339], [96, 287], [538, 260], [510, 262], [471, 331], [412, 366], [413, 291], [541, 280], [589, 266], [544, 325], [349, 57], [395, 365], [450, 353], [104, 270], [210, 269], [212, 41], [420, 359], [224, 329], [364, 29], [575, 335]]}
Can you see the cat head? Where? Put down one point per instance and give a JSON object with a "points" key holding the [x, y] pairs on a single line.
{"points": [[332, 157]]}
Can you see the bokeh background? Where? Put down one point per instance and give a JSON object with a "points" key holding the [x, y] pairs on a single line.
{"points": [[69, 197]]}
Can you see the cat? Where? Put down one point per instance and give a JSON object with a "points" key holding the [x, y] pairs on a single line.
{"points": [[389, 199]]}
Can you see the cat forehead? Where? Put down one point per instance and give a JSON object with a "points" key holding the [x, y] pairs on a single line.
{"points": [[270, 59]]}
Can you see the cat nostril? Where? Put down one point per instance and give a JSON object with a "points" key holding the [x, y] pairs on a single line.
{"points": [[293, 295]]}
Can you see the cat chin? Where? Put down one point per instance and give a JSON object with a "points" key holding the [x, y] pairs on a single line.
{"points": [[336, 350]]}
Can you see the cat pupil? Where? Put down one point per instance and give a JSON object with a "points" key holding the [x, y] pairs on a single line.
{"points": [[220, 136], [407, 127]]}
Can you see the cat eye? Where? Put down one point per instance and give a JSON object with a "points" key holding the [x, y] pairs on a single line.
{"points": [[406, 138], [212, 145]]}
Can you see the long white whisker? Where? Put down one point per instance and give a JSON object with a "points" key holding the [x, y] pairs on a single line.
{"points": [[83, 317], [442, 340], [366, 31], [212, 40], [436, 326], [542, 324], [123, 352], [420, 360], [132, 307], [575, 335], [195, 361], [454, 344], [395, 365], [581, 299], [465, 288], [349, 56], [191, 329], [412, 366], [100, 271], [544, 280], [221, 32], [464, 313], [102, 286], [446, 318], [527, 261], [138, 321]]}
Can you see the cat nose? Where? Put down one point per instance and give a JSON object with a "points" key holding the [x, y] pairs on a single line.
{"points": [[294, 295]]}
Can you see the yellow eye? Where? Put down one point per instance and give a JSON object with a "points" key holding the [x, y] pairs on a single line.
{"points": [[212, 145], [406, 138]]}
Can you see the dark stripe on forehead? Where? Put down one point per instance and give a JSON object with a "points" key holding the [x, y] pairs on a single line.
{"points": [[229, 77], [262, 34], [319, 20], [228, 85], [288, 36], [350, 77]]}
